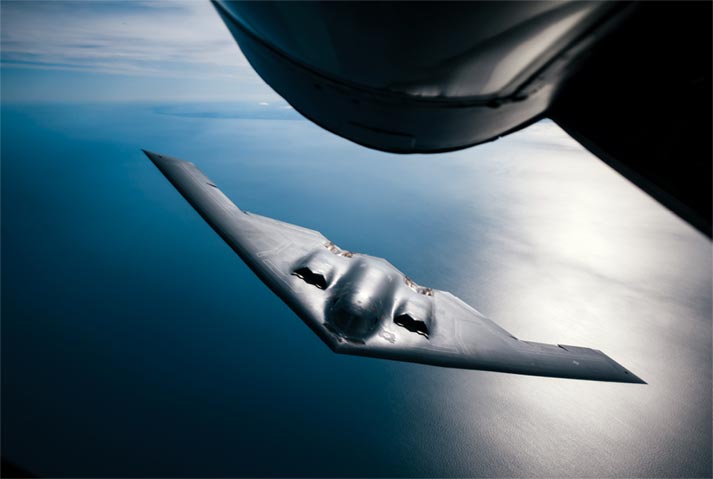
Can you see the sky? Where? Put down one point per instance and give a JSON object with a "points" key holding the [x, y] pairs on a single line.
{"points": [[121, 51]]}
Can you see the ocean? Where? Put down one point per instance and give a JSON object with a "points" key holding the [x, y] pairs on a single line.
{"points": [[136, 343]]}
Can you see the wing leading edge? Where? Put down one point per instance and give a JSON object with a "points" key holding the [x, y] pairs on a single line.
{"points": [[362, 305]]}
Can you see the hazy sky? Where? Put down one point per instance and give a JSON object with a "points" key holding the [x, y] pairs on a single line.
{"points": [[121, 51]]}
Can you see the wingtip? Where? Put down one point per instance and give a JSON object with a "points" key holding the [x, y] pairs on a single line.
{"points": [[151, 155], [161, 160], [632, 378], [617, 372]]}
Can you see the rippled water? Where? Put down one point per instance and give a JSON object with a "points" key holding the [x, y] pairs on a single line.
{"points": [[134, 342]]}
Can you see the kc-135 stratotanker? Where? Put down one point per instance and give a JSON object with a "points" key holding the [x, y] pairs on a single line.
{"points": [[362, 305], [630, 81]]}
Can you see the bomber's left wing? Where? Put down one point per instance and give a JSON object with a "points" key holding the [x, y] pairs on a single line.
{"points": [[362, 305]]}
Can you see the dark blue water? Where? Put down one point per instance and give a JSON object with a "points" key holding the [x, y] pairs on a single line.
{"points": [[135, 343]]}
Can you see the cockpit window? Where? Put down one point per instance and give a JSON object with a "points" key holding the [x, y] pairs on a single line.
{"points": [[311, 278]]}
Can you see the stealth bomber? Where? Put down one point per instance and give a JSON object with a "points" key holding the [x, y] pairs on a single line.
{"points": [[362, 305]]}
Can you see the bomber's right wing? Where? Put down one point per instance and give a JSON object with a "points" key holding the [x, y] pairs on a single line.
{"points": [[362, 305]]}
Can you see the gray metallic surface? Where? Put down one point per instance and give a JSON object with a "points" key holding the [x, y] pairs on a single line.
{"points": [[362, 305], [417, 77], [453, 51]]}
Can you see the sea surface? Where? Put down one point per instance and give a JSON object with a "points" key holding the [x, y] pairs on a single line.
{"points": [[136, 343]]}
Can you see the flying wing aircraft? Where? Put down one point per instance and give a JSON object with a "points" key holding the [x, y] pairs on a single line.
{"points": [[362, 305]]}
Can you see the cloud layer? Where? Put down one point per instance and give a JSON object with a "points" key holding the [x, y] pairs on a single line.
{"points": [[143, 38]]}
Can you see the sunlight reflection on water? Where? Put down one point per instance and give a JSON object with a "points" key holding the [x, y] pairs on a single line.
{"points": [[122, 291]]}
